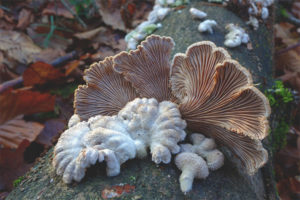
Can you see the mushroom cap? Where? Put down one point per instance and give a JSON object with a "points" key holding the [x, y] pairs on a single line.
{"points": [[148, 67], [193, 162], [218, 99], [106, 91]]}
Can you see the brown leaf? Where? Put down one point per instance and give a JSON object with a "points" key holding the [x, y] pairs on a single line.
{"points": [[18, 46], [49, 54], [12, 165], [72, 66], [295, 186], [110, 13], [25, 18], [37, 34], [58, 9], [14, 131], [53, 128], [17, 102], [284, 32], [89, 34], [40, 73]]}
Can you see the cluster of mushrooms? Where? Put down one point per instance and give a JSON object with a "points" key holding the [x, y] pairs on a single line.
{"points": [[139, 100]]}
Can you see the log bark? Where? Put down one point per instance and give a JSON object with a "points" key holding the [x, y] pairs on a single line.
{"points": [[142, 179]]}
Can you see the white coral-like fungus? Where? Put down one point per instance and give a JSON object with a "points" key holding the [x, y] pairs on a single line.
{"points": [[236, 36], [198, 14], [191, 163], [207, 26], [206, 148], [192, 166], [142, 123]]}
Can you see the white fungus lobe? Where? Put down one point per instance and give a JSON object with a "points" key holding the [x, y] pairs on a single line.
{"points": [[192, 166], [197, 14], [196, 160], [236, 36], [207, 26], [141, 124]]}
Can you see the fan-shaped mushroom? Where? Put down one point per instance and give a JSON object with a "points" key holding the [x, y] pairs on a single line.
{"points": [[218, 99], [215, 96]]}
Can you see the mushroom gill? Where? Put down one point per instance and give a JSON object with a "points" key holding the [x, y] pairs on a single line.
{"points": [[148, 67], [218, 99], [106, 92]]}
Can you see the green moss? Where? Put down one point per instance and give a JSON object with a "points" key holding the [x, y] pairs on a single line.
{"points": [[279, 97], [279, 135], [278, 94], [18, 181]]}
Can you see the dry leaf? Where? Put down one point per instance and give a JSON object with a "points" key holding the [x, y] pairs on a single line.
{"points": [[18, 46], [53, 128], [71, 66], [58, 9], [283, 32], [110, 13], [25, 18], [12, 165], [14, 131], [40, 73], [49, 54], [89, 34], [17, 102]]}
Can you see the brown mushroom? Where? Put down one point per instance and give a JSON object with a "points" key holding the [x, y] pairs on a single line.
{"points": [[148, 67], [106, 92], [218, 99]]}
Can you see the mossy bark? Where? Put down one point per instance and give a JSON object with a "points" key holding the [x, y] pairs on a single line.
{"points": [[142, 179]]}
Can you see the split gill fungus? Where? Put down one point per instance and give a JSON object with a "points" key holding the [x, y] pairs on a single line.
{"points": [[214, 94]]}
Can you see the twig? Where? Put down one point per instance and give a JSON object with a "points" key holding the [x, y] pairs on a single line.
{"points": [[288, 48], [59, 61], [64, 59], [74, 14], [10, 83]]}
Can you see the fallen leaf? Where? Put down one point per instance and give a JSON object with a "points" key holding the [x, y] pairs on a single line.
{"points": [[17, 102], [53, 128], [59, 40], [48, 55], [58, 9], [295, 186], [40, 73], [71, 66], [89, 34], [18, 46], [110, 13], [25, 18], [284, 32], [14, 131], [12, 165], [117, 191]]}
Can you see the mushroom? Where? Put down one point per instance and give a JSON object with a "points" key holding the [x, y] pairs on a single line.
{"points": [[214, 94], [106, 91], [207, 26], [148, 67], [192, 166], [197, 14], [141, 124], [206, 148], [218, 99], [236, 36]]}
